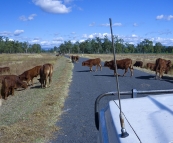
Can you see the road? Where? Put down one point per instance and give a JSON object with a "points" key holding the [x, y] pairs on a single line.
{"points": [[77, 121]]}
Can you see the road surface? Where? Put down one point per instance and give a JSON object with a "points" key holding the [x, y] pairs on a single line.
{"points": [[77, 121]]}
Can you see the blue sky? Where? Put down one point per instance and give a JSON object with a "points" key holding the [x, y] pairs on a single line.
{"points": [[51, 22]]}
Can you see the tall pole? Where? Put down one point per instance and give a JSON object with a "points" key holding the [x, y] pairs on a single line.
{"points": [[123, 130]]}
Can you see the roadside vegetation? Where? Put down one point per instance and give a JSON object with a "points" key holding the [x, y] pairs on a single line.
{"points": [[30, 115]]}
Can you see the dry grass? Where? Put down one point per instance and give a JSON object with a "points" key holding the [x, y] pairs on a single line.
{"points": [[31, 115], [145, 58]]}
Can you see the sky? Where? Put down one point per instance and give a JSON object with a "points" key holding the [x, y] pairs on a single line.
{"points": [[51, 22]]}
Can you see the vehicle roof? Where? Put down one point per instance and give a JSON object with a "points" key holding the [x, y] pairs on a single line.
{"points": [[149, 117]]}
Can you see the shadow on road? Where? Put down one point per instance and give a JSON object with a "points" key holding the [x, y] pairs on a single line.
{"points": [[84, 71], [105, 75]]}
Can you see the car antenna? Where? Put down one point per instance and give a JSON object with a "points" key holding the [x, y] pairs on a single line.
{"points": [[123, 130]]}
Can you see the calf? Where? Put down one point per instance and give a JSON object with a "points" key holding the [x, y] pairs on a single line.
{"points": [[151, 66], [30, 74], [46, 71], [5, 69], [162, 66], [121, 64], [138, 64], [93, 62], [74, 58], [9, 83]]}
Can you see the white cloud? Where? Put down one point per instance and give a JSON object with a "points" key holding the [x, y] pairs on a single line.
{"points": [[117, 24], [164, 17], [30, 17], [135, 24], [5, 34], [58, 39], [170, 17], [107, 24], [159, 17], [92, 24], [18, 32], [133, 35], [52, 6]]}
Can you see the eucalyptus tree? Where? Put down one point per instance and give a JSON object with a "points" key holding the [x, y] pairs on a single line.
{"points": [[158, 47], [147, 46], [83, 46], [68, 46], [98, 45], [106, 45], [118, 44], [130, 47], [1, 44]]}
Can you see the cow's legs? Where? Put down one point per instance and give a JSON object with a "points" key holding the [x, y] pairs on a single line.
{"points": [[6, 93], [91, 68], [100, 67], [131, 70], [96, 68], [12, 91], [125, 72], [46, 80], [160, 73]]}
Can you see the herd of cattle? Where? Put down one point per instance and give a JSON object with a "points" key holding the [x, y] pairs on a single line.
{"points": [[160, 66], [12, 82]]}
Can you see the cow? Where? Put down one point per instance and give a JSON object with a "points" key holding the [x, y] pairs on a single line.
{"points": [[151, 66], [28, 75], [74, 58], [46, 71], [4, 69], [121, 64], [9, 83], [93, 62], [162, 66], [138, 64]]}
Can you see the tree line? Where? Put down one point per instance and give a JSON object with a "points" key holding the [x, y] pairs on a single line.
{"points": [[104, 45], [8, 46], [89, 46]]}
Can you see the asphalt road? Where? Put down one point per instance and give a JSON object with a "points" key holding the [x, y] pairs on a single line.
{"points": [[77, 121]]}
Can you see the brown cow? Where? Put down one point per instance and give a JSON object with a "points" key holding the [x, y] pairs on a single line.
{"points": [[74, 58], [9, 83], [46, 71], [93, 62], [162, 66], [30, 74], [151, 66], [4, 69], [138, 64], [121, 64]]}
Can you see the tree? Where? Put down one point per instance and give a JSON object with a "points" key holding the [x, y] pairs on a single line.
{"points": [[158, 47], [106, 45]]}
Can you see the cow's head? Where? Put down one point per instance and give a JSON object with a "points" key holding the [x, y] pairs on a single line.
{"points": [[169, 64], [107, 64], [22, 77]]}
